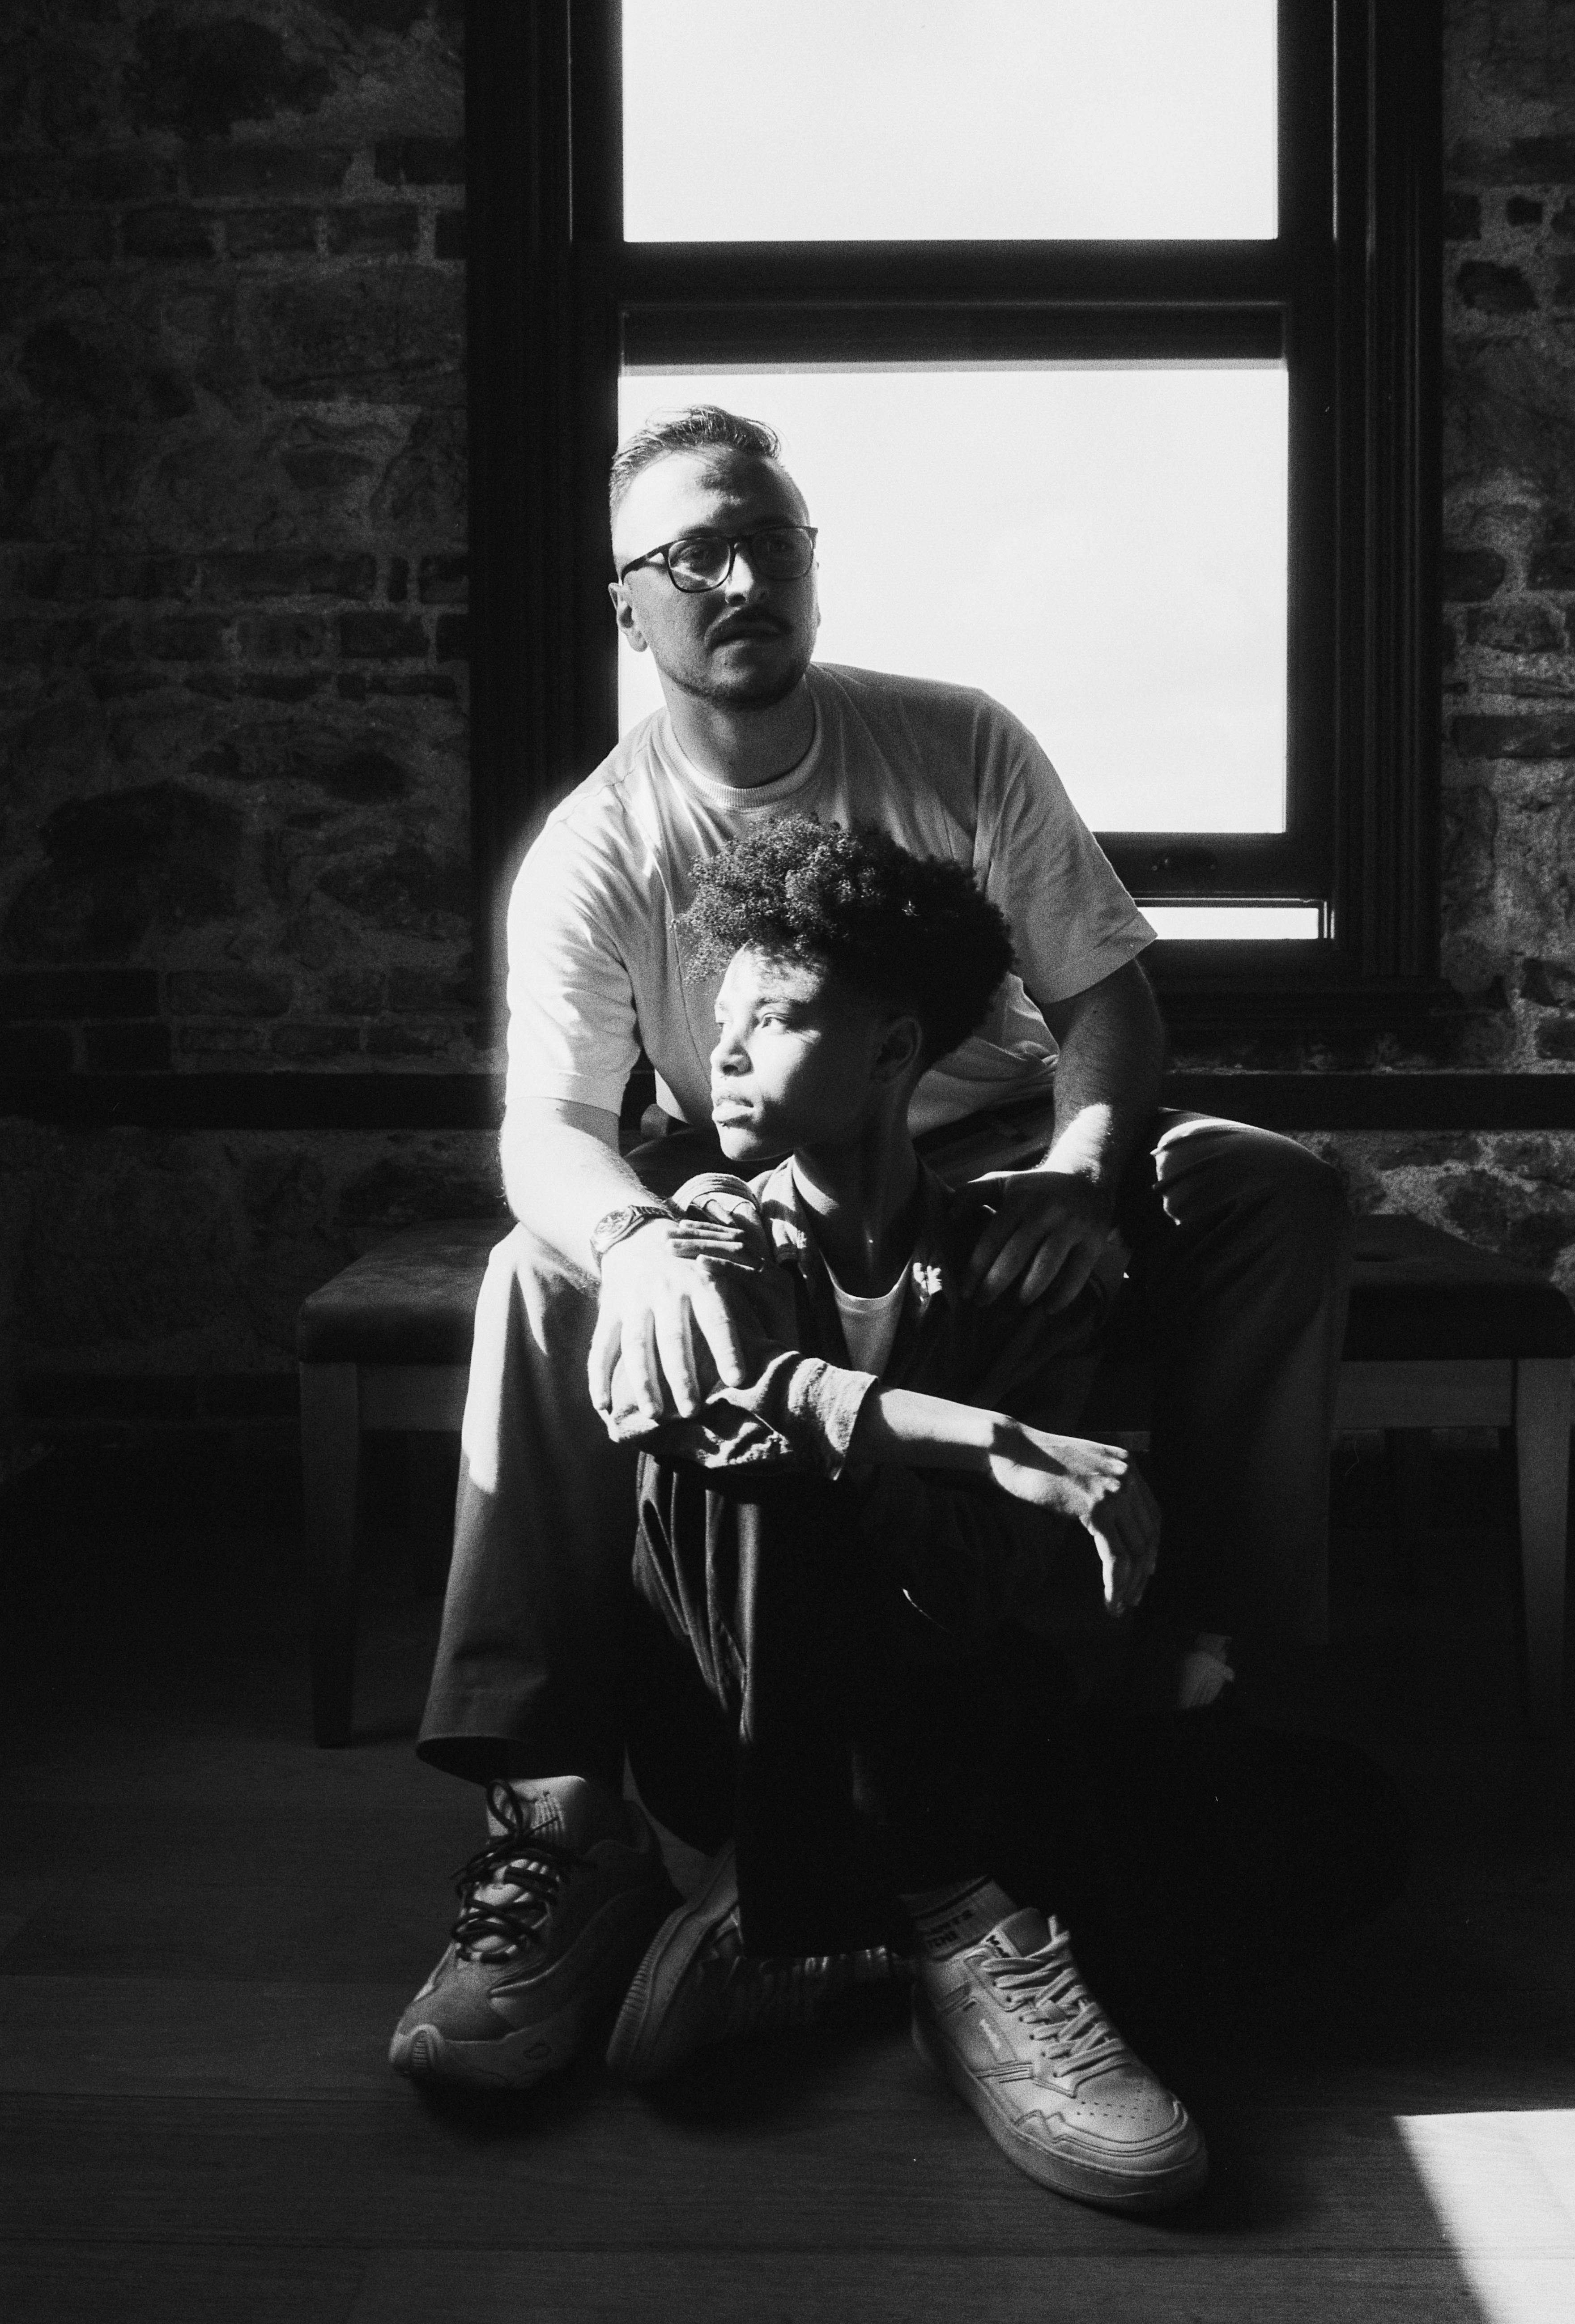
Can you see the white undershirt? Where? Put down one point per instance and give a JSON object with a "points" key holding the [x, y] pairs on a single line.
{"points": [[869, 1325]]}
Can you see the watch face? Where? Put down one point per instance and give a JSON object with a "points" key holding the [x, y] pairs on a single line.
{"points": [[617, 1223]]}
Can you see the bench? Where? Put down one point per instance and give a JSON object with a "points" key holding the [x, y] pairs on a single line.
{"points": [[1440, 1336]]}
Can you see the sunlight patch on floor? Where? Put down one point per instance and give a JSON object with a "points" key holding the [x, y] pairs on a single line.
{"points": [[1503, 2186]]}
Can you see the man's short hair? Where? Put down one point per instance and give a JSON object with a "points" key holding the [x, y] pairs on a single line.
{"points": [[913, 931], [701, 428]]}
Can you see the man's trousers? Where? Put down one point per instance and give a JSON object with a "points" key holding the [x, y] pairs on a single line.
{"points": [[1235, 1294]]}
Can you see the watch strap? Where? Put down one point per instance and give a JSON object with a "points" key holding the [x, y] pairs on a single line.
{"points": [[615, 1226]]}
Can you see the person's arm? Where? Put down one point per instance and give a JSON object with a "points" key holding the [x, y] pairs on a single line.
{"points": [[1099, 1486], [957, 1484], [923, 1467], [1046, 1227], [562, 1172]]}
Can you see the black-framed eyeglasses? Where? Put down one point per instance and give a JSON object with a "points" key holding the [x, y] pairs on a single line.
{"points": [[697, 561]]}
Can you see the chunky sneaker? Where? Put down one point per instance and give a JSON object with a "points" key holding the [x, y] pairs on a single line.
{"points": [[696, 1985], [554, 1914], [1013, 2028]]}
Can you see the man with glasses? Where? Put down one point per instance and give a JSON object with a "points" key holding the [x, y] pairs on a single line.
{"points": [[1238, 1240]]}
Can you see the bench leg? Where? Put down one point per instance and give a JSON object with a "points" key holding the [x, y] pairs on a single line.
{"points": [[433, 1488], [330, 1452], [1410, 1459], [1542, 1459]]}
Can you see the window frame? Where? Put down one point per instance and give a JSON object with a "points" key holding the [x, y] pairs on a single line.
{"points": [[555, 295]]}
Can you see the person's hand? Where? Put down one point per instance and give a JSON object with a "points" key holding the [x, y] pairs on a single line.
{"points": [[1099, 1485], [664, 1297], [1042, 1230]]}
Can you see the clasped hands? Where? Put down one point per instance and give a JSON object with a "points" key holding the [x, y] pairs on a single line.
{"points": [[669, 1318]]}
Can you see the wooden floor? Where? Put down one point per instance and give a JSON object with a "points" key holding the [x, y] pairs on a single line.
{"points": [[208, 1929]]}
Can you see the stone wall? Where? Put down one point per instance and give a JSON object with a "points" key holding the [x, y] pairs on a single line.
{"points": [[232, 506], [233, 684], [232, 824], [1509, 642], [155, 1277], [1509, 518]]}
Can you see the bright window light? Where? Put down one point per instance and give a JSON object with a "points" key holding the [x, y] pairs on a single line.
{"points": [[895, 120], [1503, 2186], [1189, 922], [1102, 548]]}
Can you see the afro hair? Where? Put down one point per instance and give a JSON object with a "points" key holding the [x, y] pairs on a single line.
{"points": [[913, 931]]}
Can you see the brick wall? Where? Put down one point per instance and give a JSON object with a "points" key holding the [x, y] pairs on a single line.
{"points": [[1509, 630], [232, 511], [1509, 518], [233, 684], [232, 824]]}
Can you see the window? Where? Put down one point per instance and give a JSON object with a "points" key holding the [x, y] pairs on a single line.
{"points": [[1145, 295], [1008, 120]]}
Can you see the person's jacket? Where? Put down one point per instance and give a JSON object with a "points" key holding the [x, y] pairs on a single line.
{"points": [[965, 1551]]}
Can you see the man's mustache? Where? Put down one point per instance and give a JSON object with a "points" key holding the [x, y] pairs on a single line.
{"points": [[747, 625]]}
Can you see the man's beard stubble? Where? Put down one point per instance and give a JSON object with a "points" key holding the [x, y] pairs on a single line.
{"points": [[743, 692]]}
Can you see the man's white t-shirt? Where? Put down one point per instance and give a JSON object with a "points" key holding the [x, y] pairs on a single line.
{"points": [[596, 964]]}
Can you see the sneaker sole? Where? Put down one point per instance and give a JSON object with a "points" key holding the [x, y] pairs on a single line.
{"points": [[518, 2059], [515, 2062], [635, 2054], [1135, 2189]]}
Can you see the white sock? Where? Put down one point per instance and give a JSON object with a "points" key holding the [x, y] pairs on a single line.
{"points": [[577, 1810], [573, 1811], [946, 1920]]}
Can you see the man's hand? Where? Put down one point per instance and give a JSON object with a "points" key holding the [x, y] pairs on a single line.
{"points": [[663, 1294], [1042, 1230], [1047, 1227], [1099, 1485]]}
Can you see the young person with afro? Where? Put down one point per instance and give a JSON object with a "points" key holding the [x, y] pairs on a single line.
{"points": [[834, 1546]]}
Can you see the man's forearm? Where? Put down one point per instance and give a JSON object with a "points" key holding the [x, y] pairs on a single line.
{"points": [[562, 1172], [1106, 1078]]}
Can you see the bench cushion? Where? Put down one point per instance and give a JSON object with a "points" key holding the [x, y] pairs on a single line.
{"points": [[1418, 1293], [1415, 1291], [411, 1301]]}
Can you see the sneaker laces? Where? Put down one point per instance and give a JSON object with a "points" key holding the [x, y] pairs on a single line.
{"points": [[508, 1889], [1044, 1991]]}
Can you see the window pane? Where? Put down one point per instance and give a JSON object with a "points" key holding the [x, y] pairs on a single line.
{"points": [[1187, 923], [1100, 547], [1005, 119]]}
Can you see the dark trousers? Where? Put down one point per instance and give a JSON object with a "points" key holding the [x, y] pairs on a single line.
{"points": [[784, 1693], [1236, 1292]]}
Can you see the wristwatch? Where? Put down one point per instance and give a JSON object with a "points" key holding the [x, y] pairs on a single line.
{"points": [[614, 1225]]}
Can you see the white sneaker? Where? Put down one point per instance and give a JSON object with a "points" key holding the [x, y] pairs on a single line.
{"points": [[1013, 2028]]}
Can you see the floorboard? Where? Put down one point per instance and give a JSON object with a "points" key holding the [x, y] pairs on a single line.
{"points": [[76, 2281], [914, 2177], [827, 2288], [208, 1928]]}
